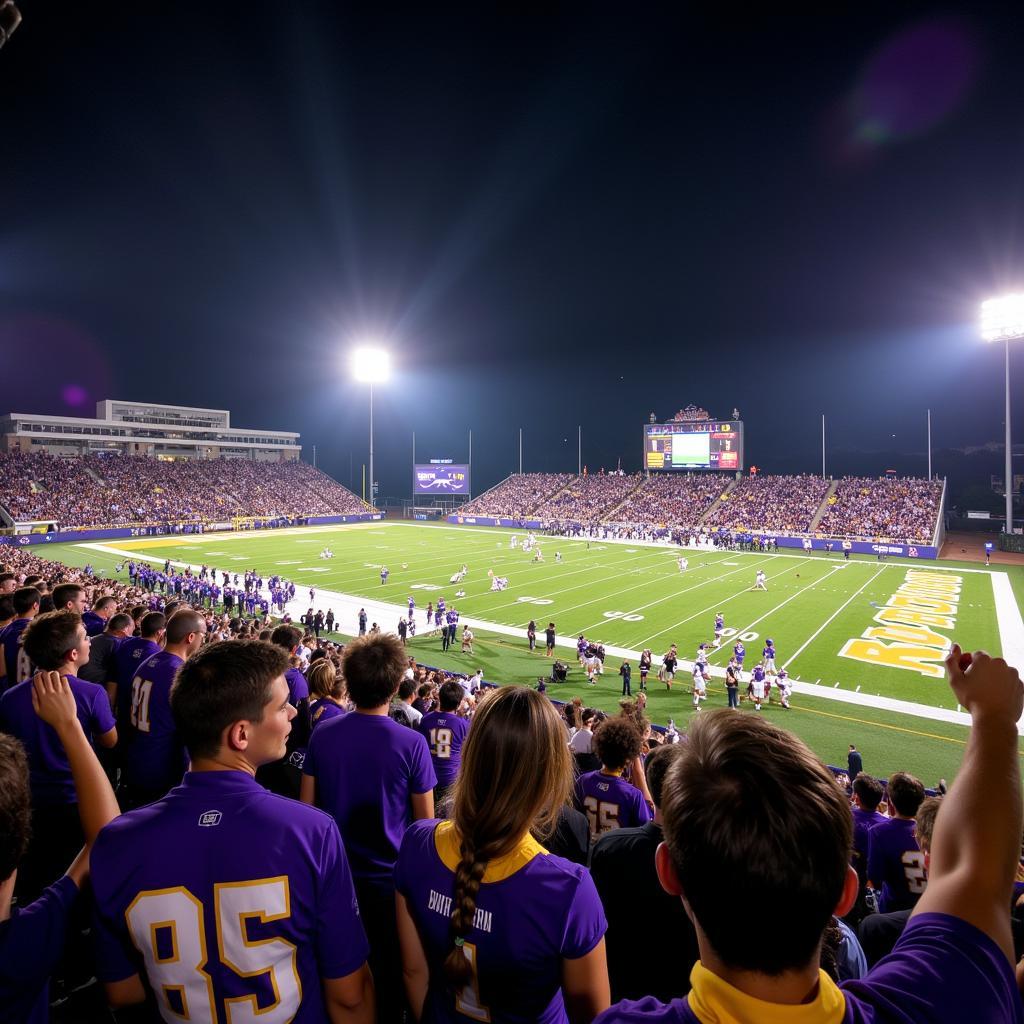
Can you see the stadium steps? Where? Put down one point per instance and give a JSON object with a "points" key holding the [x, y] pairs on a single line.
{"points": [[610, 514], [823, 507], [717, 501]]}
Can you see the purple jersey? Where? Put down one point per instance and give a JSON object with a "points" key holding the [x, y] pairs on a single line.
{"points": [[942, 969], [534, 910], [130, 654], [863, 823], [610, 802], [226, 896], [94, 624], [298, 688], [740, 651], [768, 653], [17, 663], [366, 768], [31, 946], [323, 710], [49, 770], [895, 864], [445, 733], [153, 758]]}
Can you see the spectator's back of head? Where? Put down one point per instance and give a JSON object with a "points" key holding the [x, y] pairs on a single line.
{"points": [[451, 695], [286, 637], [49, 638], [656, 766], [15, 815], [119, 622], [373, 667], [759, 837], [25, 599], [324, 680], [617, 742], [152, 625], [69, 595], [905, 794], [868, 791], [406, 689], [924, 823]]}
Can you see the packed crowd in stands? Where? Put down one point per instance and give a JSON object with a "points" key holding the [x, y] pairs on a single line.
{"points": [[590, 498], [671, 500], [185, 767], [901, 508], [97, 490], [518, 496], [786, 504]]}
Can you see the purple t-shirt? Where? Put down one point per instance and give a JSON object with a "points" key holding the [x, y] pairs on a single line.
{"points": [[445, 733], [222, 872], [31, 946], [941, 970], [323, 710], [16, 661], [535, 911], [130, 654], [94, 624], [152, 755], [863, 823], [896, 864], [366, 768], [298, 688], [610, 802], [49, 771]]}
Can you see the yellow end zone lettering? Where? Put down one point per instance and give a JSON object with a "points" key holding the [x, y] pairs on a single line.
{"points": [[906, 656]]}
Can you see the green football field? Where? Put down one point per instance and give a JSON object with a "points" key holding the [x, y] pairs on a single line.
{"points": [[856, 627]]}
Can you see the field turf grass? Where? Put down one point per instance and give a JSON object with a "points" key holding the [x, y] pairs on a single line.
{"points": [[633, 596]]}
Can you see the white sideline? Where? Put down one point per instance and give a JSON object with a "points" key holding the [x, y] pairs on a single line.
{"points": [[346, 609]]}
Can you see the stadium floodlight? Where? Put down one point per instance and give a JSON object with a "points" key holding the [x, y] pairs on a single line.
{"points": [[1002, 319], [371, 365]]}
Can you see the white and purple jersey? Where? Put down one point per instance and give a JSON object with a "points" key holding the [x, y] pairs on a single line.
{"points": [[740, 652], [610, 802], [412, 605], [440, 606], [445, 732], [49, 772], [130, 654], [226, 897], [769, 652], [366, 769], [719, 624], [534, 911], [153, 758], [757, 681], [16, 661]]}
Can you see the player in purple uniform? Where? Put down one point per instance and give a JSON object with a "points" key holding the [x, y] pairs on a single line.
{"points": [[739, 653], [719, 628], [761, 882], [768, 656], [606, 798], [233, 902], [153, 757], [445, 732], [33, 936], [374, 777], [14, 663], [56, 642], [895, 861], [493, 927]]}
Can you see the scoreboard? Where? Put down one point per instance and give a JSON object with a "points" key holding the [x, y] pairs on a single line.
{"points": [[694, 444]]}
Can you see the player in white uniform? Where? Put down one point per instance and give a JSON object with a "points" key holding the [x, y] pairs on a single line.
{"points": [[760, 580], [558, 556], [700, 690], [719, 628], [701, 657], [683, 563], [784, 687]]}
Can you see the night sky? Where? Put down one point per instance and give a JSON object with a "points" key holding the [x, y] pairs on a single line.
{"points": [[551, 216]]}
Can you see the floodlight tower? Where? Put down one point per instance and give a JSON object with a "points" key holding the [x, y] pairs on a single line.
{"points": [[371, 365], [1002, 319]]}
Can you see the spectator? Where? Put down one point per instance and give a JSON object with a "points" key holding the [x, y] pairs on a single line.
{"points": [[895, 862], [283, 860], [445, 733], [546, 947], [15, 664], [608, 801], [854, 763], [781, 868], [623, 867], [373, 777], [101, 668], [867, 795]]}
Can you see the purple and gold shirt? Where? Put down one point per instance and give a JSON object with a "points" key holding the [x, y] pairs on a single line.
{"points": [[895, 864], [609, 802], [17, 663], [153, 757], [445, 733], [533, 910], [226, 895]]}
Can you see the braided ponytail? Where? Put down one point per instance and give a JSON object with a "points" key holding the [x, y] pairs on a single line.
{"points": [[468, 876]]}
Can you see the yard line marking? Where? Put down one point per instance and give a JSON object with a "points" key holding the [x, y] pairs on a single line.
{"points": [[1011, 627], [814, 635]]}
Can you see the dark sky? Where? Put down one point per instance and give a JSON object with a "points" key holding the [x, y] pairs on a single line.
{"points": [[552, 216]]}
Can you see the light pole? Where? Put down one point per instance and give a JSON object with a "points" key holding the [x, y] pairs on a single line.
{"points": [[1002, 319], [371, 366]]}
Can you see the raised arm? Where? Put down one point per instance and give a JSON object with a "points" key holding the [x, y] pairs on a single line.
{"points": [[55, 704], [976, 842]]}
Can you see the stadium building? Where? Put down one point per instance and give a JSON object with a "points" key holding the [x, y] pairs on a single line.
{"points": [[167, 432]]}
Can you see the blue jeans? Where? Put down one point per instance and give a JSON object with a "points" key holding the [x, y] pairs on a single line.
{"points": [[734, 696]]}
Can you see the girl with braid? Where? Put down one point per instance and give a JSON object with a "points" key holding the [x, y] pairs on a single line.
{"points": [[492, 926]]}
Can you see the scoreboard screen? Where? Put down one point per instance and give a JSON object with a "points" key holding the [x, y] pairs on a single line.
{"points": [[694, 444]]}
